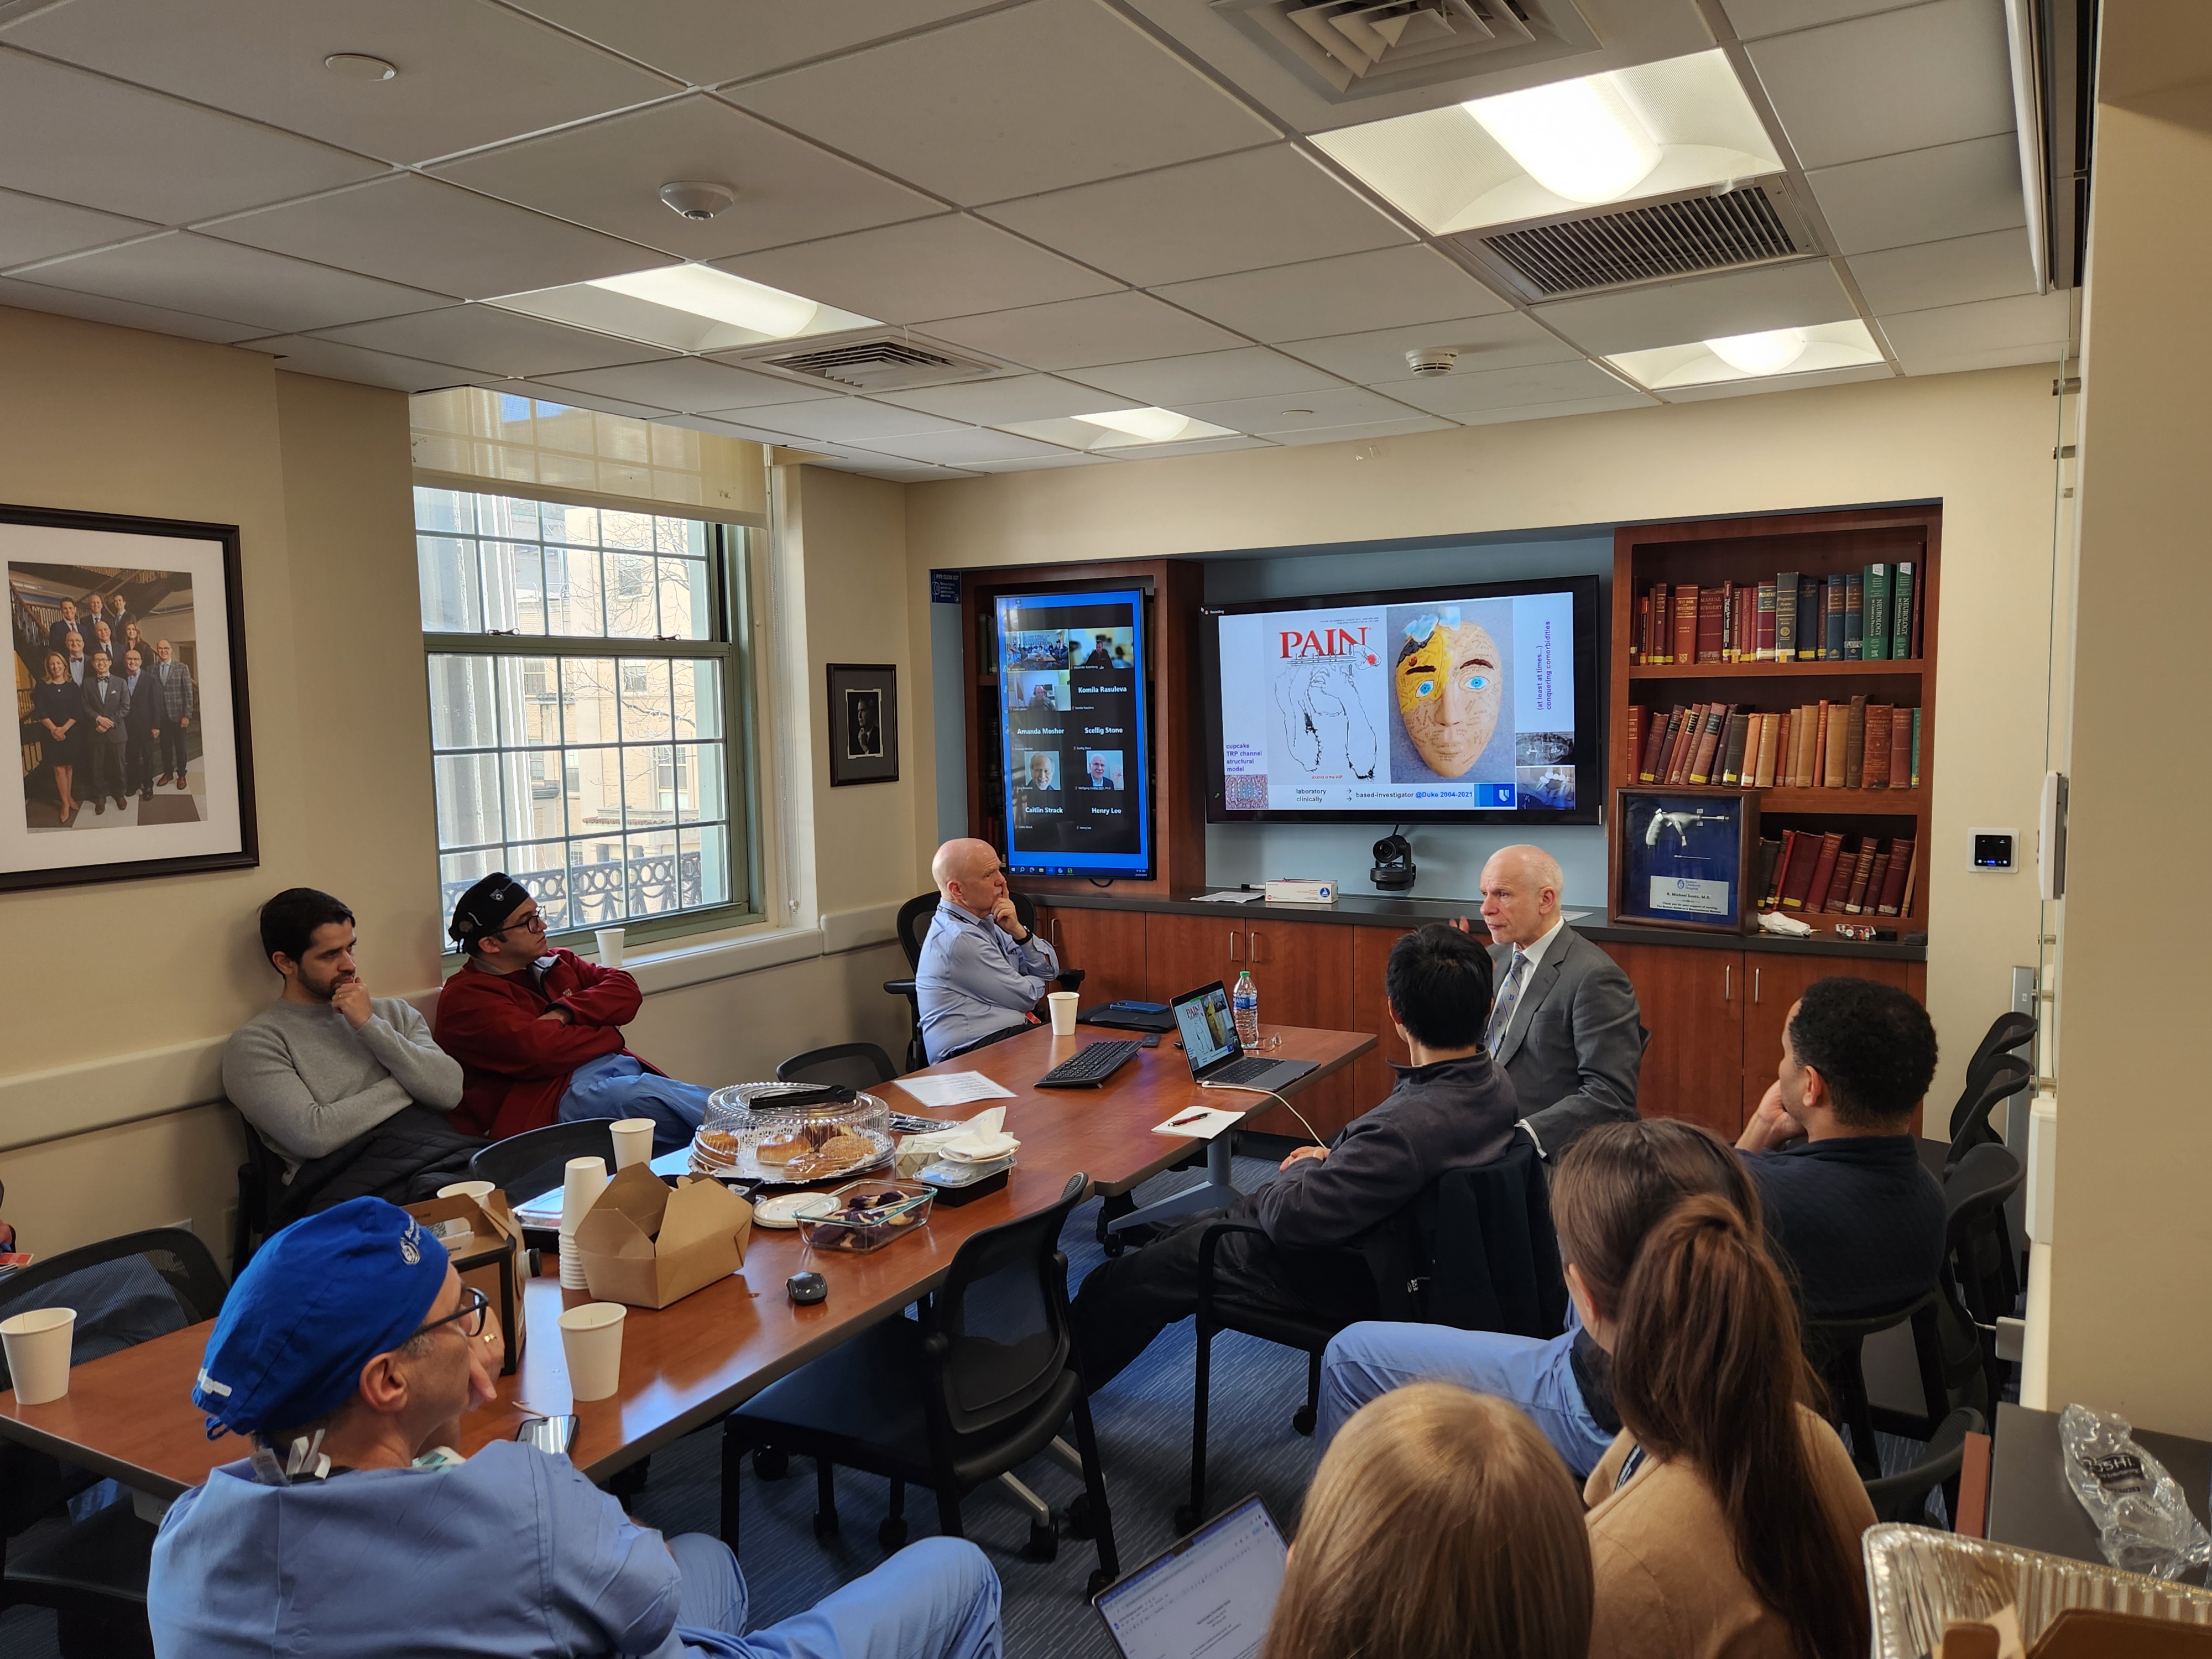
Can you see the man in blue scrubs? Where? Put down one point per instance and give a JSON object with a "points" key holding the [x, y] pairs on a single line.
{"points": [[348, 1350]]}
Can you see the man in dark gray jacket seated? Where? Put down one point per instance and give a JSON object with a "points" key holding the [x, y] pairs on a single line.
{"points": [[349, 1090], [1453, 1107]]}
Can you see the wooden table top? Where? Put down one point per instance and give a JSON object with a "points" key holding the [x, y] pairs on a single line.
{"points": [[130, 1415]]}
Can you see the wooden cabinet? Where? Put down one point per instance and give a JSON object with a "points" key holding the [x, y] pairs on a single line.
{"points": [[1692, 1002], [1108, 945], [1184, 953]]}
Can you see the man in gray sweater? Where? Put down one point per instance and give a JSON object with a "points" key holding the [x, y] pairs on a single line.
{"points": [[349, 1091]]}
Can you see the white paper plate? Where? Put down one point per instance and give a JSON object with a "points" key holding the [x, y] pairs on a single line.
{"points": [[784, 1208], [979, 1149]]}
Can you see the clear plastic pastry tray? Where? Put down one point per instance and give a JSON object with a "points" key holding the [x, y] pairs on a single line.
{"points": [[869, 1215], [1920, 1579], [747, 1134]]}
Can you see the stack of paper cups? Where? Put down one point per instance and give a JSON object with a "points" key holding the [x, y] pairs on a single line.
{"points": [[582, 1183]]}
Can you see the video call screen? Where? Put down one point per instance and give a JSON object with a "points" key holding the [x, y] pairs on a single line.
{"points": [[1071, 672]]}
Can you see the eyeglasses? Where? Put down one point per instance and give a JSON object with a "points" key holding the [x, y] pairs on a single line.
{"points": [[535, 922], [469, 1315]]}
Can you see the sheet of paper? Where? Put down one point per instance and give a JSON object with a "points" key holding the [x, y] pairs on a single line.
{"points": [[1199, 1123], [954, 1088], [1231, 897]]}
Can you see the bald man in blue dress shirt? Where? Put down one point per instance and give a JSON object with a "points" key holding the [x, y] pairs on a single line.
{"points": [[981, 973]]}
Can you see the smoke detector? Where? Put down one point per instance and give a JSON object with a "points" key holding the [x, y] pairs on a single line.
{"points": [[695, 200], [1425, 361]]}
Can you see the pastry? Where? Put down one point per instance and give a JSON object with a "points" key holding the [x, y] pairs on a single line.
{"points": [[780, 1152], [715, 1147]]}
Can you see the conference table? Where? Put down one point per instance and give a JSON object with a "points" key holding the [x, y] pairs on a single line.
{"points": [[129, 1415]]}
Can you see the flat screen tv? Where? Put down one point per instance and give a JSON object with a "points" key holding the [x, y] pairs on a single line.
{"points": [[1472, 703], [1078, 784]]}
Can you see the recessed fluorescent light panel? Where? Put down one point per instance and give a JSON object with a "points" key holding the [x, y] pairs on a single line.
{"points": [[1763, 355], [1624, 136], [686, 308], [1120, 429]]}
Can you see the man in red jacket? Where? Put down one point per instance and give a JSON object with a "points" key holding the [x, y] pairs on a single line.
{"points": [[538, 1030]]}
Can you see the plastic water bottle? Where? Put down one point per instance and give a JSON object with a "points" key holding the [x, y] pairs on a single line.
{"points": [[1244, 1004]]}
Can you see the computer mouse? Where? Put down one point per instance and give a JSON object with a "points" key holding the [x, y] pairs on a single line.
{"points": [[1151, 1041], [808, 1286]]}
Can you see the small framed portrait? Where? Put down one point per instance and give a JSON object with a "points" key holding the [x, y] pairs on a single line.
{"points": [[130, 658], [863, 723], [1684, 861]]}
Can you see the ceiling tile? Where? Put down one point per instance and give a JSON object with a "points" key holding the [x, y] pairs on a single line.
{"points": [[1299, 411], [1704, 309], [1463, 393], [1507, 340], [80, 138], [1991, 266], [1042, 463], [1756, 18], [302, 353], [1209, 377], [891, 472], [847, 420], [492, 341], [720, 428], [411, 229], [1551, 411], [1904, 80], [184, 272], [1023, 397], [970, 444], [1941, 363], [1363, 432], [691, 385], [1694, 394], [1355, 292], [608, 174], [470, 72], [95, 308], [708, 41], [2034, 320], [32, 228], [1112, 328], [1013, 103], [581, 399], [1924, 195], [940, 267], [1263, 207]]}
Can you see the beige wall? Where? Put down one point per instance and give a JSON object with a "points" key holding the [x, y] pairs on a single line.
{"points": [[2132, 1254], [1980, 443]]}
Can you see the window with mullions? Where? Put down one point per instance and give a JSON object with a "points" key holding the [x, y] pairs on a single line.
{"points": [[586, 698]]}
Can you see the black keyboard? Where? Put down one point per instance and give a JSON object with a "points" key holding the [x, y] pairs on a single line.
{"points": [[1243, 1072], [1091, 1066]]}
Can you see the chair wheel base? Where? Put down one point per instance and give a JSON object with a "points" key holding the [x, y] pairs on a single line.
{"points": [[770, 1463], [1302, 1420], [825, 1526], [1044, 1542], [1075, 1520], [1186, 1518], [1098, 1581], [1114, 1244], [892, 1534]]}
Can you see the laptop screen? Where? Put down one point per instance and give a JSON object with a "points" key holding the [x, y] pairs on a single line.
{"points": [[1209, 1031], [1211, 1595]]}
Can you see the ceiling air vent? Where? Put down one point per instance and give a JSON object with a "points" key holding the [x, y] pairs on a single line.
{"points": [[1753, 224], [1350, 49], [879, 362]]}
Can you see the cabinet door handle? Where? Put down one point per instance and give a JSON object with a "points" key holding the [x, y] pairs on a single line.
{"points": [[1252, 947], [1754, 984], [1728, 981], [1236, 943]]}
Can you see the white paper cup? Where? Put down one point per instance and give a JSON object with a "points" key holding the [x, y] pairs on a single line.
{"points": [[1063, 1012], [37, 1348], [632, 1141], [477, 1189], [611, 947], [584, 1179], [591, 1336]]}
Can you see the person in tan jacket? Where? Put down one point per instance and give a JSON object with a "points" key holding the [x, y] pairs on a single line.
{"points": [[1725, 1519]]}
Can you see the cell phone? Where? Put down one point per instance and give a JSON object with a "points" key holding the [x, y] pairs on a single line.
{"points": [[1150, 1042], [552, 1434]]}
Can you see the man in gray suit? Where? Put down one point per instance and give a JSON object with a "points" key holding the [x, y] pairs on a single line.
{"points": [[1563, 1023], [173, 684]]}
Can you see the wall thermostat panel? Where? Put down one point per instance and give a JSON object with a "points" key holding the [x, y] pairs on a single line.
{"points": [[1996, 852]]}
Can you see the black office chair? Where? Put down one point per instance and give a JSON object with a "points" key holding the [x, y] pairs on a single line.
{"points": [[1978, 1244], [1999, 1079], [91, 1572], [978, 1385], [1835, 1347], [536, 1161], [914, 919], [260, 1186], [1904, 1497], [2008, 1033], [853, 1064]]}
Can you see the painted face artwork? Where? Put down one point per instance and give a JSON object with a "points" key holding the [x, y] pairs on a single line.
{"points": [[1449, 689]]}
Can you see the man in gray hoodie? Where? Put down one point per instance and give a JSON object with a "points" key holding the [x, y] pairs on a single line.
{"points": [[350, 1091]]}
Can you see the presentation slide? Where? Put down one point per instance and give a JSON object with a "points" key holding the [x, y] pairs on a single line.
{"points": [[1071, 669], [1441, 706]]}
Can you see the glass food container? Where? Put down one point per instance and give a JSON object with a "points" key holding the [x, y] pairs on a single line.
{"points": [[791, 1134], [869, 1215]]}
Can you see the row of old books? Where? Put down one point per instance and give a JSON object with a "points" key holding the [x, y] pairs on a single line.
{"points": [[1869, 613], [1819, 745], [1840, 873]]}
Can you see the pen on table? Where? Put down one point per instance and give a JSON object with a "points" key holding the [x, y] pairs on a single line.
{"points": [[1189, 1117]]}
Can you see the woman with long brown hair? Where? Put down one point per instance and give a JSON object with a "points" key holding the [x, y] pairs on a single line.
{"points": [[57, 712], [1726, 1518], [1440, 1525]]}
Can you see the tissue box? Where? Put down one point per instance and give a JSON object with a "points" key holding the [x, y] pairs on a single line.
{"points": [[485, 1243], [1301, 892], [647, 1244]]}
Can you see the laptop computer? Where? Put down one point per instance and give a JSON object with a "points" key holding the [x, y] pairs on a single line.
{"points": [[1211, 1593], [1217, 1059]]}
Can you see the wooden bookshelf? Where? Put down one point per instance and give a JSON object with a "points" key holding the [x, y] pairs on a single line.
{"points": [[1816, 545]]}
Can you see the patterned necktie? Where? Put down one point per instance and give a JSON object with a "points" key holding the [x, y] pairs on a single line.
{"points": [[1509, 996]]}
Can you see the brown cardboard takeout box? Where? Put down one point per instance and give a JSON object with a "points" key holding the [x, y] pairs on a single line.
{"points": [[492, 1240], [647, 1244]]}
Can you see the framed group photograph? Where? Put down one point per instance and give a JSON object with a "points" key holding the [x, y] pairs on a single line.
{"points": [[1686, 861], [863, 723], [130, 658]]}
